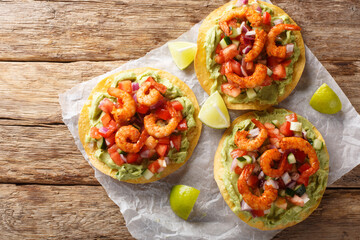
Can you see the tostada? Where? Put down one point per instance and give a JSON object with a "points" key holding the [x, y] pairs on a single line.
{"points": [[252, 52], [140, 125], [272, 168]]}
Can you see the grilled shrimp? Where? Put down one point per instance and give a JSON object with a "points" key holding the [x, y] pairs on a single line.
{"points": [[305, 146], [246, 144], [250, 14], [126, 107], [129, 139], [262, 202], [154, 129], [256, 79], [260, 40], [271, 48], [150, 92], [268, 157]]}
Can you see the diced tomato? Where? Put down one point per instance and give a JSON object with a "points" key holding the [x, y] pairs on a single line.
{"points": [[286, 63], [228, 67], [274, 141], [252, 181], [237, 153], [269, 126], [219, 58], [154, 167], [238, 170], [164, 140], [142, 109], [296, 200], [112, 149], [125, 86], [182, 125], [249, 66], [236, 67], [230, 89], [176, 141], [267, 82], [281, 203], [218, 49], [230, 52], [273, 61], [300, 156], [285, 129], [161, 149], [177, 105], [257, 213], [303, 180], [279, 72], [106, 119], [106, 105], [110, 140], [163, 113], [222, 69], [304, 167], [266, 18], [151, 142], [115, 156], [291, 118], [94, 133], [232, 23], [132, 157]]}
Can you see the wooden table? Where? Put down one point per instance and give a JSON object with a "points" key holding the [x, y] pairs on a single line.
{"points": [[47, 189]]}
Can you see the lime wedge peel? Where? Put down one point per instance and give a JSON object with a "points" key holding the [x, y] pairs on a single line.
{"points": [[182, 200], [325, 100], [183, 53], [214, 113]]}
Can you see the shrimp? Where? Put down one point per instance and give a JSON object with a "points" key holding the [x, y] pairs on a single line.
{"points": [[262, 202], [252, 81], [268, 157], [271, 48], [126, 108], [129, 139], [260, 40], [305, 146], [147, 95], [246, 144], [159, 131], [250, 14]]}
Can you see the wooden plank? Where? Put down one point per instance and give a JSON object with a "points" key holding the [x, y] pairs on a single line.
{"points": [[122, 30], [38, 84], [78, 212]]}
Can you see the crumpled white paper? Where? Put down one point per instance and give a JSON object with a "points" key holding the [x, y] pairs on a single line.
{"points": [[146, 208]]}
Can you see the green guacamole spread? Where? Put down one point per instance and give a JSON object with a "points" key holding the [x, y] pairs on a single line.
{"points": [[131, 171], [265, 95], [314, 190]]}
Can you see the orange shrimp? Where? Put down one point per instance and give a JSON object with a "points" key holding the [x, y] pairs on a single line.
{"points": [[126, 107], [256, 79], [250, 14], [246, 144], [129, 139], [305, 146], [154, 129], [268, 157], [271, 48], [150, 92], [260, 40], [262, 202]]}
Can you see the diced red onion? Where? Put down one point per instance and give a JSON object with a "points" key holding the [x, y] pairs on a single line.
{"points": [[243, 27], [245, 206], [264, 61], [257, 166], [267, 211], [161, 169], [243, 63], [271, 182], [298, 134], [304, 134], [247, 49], [135, 98], [254, 132], [167, 160], [286, 178], [272, 146], [103, 130], [281, 151], [305, 197], [171, 144], [250, 33], [145, 154], [162, 163], [249, 39], [156, 105], [135, 86], [295, 176], [239, 3], [261, 175], [233, 164], [243, 71], [278, 21], [291, 185], [289, 48], [258, 9], [123, 158]]}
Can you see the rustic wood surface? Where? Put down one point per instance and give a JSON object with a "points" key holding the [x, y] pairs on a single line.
{"points": [[47, 189]]}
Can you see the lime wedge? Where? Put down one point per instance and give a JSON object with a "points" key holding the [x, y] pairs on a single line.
{"points": [[214, 112], [183, 53], [325, 100], [182, 200]]}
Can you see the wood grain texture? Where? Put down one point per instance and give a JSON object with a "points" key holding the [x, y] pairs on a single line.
{"points": [[122, 30]]}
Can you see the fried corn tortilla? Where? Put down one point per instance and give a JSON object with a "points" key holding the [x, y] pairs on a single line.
{"points": [[284, 218], [84, 125], [203, 74]]}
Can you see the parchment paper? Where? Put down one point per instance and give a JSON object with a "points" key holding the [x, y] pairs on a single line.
{"points": [[146, 208]]}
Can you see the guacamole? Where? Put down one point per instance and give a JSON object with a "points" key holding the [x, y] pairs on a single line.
{"points": [[265, 95], [131, 171], [277, 216]]}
